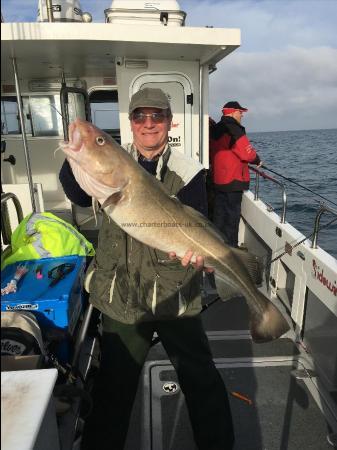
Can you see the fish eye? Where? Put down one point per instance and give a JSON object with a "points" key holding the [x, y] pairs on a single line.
{"points": [[100, 140]]}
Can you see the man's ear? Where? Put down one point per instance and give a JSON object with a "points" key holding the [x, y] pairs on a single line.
{"points": [[170, 122]]}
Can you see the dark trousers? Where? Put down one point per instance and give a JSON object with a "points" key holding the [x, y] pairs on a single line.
{"points": [[226, 214], [125, 348]]}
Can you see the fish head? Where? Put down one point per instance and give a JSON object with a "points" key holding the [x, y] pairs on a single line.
{"points": [[97, 161], [92, 149]]}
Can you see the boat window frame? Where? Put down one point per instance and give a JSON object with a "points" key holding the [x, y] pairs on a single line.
{"points": [[114, 132], [67, 117], [54, 109], [28, 114]]}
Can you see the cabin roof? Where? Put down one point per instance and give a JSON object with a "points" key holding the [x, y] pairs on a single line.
{"points": [[89, 49]]}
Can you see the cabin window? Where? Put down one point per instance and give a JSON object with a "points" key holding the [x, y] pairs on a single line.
{"points": [[46, 116], [105, 111], [10, 121], [42, 115]]}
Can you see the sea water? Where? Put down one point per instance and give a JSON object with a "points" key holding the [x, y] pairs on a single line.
{"points": [[309, 158]]}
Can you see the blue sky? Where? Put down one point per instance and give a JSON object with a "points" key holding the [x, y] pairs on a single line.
{"points": [[285, 71]]}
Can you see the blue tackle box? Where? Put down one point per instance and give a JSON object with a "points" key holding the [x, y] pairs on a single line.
{"points": [[51, 289]]}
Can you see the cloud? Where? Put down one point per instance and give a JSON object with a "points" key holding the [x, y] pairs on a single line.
{"points": [[269, 24], [286, 69], [288, 89]]}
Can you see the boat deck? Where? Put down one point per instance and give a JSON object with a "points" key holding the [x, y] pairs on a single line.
{"points": [[277, 378]]}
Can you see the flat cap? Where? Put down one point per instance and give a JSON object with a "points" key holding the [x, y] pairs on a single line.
{"points": [[149, 98]]}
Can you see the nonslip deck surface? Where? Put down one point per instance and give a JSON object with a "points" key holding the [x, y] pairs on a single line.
{"points": [[283, 414]]}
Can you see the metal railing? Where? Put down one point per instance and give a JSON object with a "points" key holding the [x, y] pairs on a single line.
{"points": [[281, 185], [88, 219], [6, 230], [49, 11], [322, 209]]}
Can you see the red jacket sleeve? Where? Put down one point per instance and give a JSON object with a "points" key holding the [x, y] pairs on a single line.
{"points": [[244, 150]]}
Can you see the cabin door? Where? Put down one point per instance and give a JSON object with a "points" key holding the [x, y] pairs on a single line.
{"points": [[178, 88]]}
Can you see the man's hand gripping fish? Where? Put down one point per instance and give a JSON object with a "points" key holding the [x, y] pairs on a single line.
{"points": [[135, 200]]}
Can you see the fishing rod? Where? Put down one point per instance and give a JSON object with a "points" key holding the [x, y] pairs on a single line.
{"points": [[298, 184]]}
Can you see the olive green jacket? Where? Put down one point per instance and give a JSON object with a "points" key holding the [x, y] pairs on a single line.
{"points": [[131, 282]]}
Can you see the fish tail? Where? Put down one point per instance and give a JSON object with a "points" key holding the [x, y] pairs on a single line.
{"points": [[266, 321]]}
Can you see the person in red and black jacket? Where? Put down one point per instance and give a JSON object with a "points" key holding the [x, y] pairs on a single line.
{"points": [[230, 152]]}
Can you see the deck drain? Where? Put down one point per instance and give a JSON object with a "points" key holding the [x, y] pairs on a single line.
{"points": [[170, 387]]}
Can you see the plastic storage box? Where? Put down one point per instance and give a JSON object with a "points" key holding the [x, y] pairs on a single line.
{"points": [[51, 290]]}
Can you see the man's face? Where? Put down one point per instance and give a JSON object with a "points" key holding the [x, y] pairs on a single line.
{"points": [[237, 115], [150, 134]]}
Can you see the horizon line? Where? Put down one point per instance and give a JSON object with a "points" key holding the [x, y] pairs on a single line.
{"points": [[282, 131]]}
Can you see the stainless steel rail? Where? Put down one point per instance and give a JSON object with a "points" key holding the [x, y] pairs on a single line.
{"points": [[6, 230], [322, 209], [23, 133], [268, 177], [50, 11], [9, 195]]}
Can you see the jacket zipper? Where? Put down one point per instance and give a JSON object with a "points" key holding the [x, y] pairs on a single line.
{"points": [[128, 260], [181, 301], [154, 295]]}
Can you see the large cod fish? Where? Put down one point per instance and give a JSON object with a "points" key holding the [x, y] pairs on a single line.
{"points": [[139, 204]]}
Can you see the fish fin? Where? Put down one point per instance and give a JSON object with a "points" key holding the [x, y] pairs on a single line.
{"points": [[270, 325], [203, 220], [252, 263], [266, 321], [199, 218], [113, 199], [225, 290]]}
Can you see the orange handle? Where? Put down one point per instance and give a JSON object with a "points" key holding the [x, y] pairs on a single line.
{"points": [[242, 397]]}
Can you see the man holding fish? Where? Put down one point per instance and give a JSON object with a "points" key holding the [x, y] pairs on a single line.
{"points": [[153, 200], [141, 290]]}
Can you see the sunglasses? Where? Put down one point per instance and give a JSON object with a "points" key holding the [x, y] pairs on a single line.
{"points": [[59, 272], [156, 117]]}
